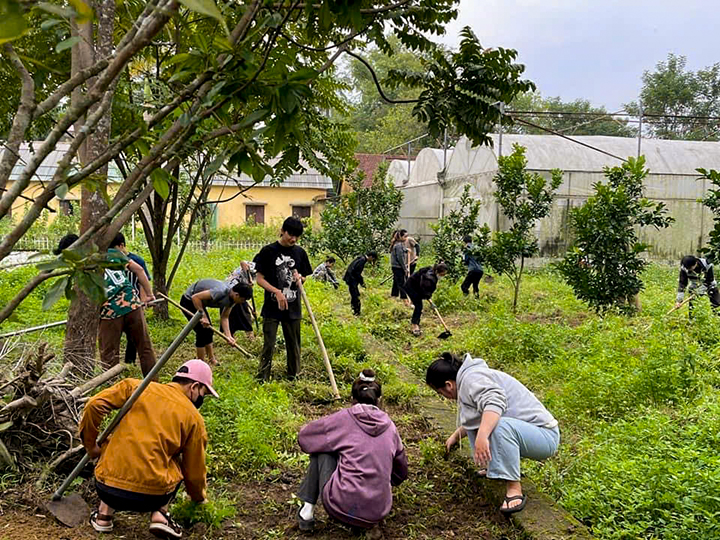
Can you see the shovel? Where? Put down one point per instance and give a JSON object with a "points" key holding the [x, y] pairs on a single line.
{"points": [[73, 510], [215, 330], [447, 333], [326, 360]]}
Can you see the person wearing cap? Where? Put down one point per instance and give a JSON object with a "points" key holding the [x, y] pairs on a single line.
{"points": [[143, 462]]}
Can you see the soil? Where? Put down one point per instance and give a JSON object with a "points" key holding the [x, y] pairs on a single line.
{"points": [[440, 499]]}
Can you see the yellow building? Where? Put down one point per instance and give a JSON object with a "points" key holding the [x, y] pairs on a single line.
{"points": [[237, 200], [303, 194]]}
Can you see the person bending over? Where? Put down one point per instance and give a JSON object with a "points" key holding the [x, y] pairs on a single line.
{"points": [[241, 315], [354, 278], [159, 443], [502, 419], [475, 269], [421, 286], [700, 275], [356, 455], [324, 272], [212, 293]]}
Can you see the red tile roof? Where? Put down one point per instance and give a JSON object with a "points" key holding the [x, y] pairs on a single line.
{"points": [[369, 163]]}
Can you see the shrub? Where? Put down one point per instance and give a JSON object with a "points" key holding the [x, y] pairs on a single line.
{"points": [[604, 266]]}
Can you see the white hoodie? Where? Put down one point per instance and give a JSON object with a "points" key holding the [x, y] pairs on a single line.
{"points": [[481, 388]]}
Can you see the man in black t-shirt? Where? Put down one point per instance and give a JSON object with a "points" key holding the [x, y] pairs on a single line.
{"points": [[279, 267]]}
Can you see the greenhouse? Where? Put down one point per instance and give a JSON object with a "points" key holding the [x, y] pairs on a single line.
{"points": [[430, 193]]}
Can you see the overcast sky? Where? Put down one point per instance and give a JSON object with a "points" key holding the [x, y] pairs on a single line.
{"points": [[594, 49]]}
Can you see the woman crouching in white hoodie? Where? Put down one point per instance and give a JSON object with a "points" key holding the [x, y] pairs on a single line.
{"points": [[502, 419]]}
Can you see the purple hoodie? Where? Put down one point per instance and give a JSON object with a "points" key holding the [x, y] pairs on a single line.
{"points": [[371, 458]]}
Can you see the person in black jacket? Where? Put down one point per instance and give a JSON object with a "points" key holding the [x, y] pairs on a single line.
{"points": [[701, 277], [420, 286], [354, 278]]}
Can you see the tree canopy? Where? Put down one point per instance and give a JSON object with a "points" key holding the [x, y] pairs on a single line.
{"points": [[673, 90]]}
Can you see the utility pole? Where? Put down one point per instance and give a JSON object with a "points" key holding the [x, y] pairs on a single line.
{"points": [[640, 130]]}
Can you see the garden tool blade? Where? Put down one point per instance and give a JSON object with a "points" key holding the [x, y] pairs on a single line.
{"points": [[445, 334], [70, 511]]}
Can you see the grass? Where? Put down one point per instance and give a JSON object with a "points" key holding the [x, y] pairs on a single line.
{"points": [[636, 397]]}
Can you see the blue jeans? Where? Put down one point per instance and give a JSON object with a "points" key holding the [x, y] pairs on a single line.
{"points": [[513, 439]]}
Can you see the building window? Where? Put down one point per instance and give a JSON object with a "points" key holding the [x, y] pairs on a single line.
{"points": [[301, 212], [66, 208], [255, 214]]}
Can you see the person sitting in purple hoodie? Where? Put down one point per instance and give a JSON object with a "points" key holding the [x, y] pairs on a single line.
{"points": [[356, 455]]}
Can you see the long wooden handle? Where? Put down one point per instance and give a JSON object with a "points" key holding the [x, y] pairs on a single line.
{"points": [[151, 376], [326, 360], [216, 331], [690, 297], [437, 312]]}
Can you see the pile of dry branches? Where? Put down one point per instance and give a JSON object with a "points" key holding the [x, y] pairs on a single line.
{"points": [[40, 411]]}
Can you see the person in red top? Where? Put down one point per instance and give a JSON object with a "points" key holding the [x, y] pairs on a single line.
{"points": [[158, 444]]}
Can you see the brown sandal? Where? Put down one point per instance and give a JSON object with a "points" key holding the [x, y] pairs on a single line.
{"points": [[102, 517]]}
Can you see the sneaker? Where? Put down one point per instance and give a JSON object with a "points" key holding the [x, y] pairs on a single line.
{"points": [[168, 531], [305, 525]]}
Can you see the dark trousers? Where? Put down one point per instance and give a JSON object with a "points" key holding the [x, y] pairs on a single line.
{"points": [[399, 279], [321, 468], [240, 318], [714, 297], [354, 297], [291, 332], [203, 335], [134, 326], [473, 278], [417, 301], [129, 501]]}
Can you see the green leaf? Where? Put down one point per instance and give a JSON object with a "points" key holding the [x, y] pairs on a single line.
{"points": [[56, 10], [253, 118], [5, 425], [83, 10], [49, 23], [49, 266], [67, 44], [90, 287], [206, 7], [160, 183], [61, 191], [13, 24], [54, 293]]}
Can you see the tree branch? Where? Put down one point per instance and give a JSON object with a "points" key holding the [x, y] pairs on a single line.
{"points": [[22, 117], [27, 289]]}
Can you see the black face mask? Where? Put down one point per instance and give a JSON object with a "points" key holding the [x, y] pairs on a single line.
{"points": [[199, 401]]}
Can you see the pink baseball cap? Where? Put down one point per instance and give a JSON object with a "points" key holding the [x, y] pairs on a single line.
{"points": [[198, 371]]}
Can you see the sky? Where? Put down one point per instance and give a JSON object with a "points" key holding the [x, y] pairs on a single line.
{"points": [[594, 49]]}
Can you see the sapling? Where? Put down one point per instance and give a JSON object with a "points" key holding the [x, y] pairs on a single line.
{"points": [[524, 198]]}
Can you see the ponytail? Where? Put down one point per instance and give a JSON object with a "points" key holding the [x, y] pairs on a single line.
{"points": [[442, 370], [396, 237], [366, 389]]}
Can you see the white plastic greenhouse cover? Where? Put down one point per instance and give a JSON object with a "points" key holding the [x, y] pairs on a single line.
{"points": [[428, 163], [398, 171], [545, 152]]}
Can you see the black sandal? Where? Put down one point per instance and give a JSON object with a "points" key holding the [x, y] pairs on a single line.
{"points": [[169, 530], [513, 509]]}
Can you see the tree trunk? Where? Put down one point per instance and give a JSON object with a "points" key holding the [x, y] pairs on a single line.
{"points": [[83, 317], [517, 283], [161, 310]]}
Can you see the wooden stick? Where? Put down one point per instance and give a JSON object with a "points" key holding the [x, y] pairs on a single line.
{"points": [[437, 312], [97, 381], [326, 360], [216, 331], [690, 297]]}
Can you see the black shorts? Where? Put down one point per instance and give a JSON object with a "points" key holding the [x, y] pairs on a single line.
{"points": [[129, 501]]}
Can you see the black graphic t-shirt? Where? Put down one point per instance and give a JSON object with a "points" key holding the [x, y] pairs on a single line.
{"points": [[277, 264]]}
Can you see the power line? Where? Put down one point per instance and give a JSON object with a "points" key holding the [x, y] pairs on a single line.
{"points": [[591, 147]]}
